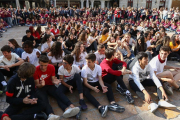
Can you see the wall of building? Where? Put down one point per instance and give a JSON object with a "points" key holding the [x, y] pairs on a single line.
{"points": [[176, 3]]}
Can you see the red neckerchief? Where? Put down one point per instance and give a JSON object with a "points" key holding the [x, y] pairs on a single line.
{"points": [[161, 61]]}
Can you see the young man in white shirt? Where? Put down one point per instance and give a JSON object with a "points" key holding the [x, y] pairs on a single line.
{"points": [[91, 74], [143, 75], [30, 54], [9, 64], [70, 79], [158, 64], [100, 54]]}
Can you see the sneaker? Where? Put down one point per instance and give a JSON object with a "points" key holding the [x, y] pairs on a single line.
{"points": [[153, 107], [83, 104], [78, 116], [41, 115], [53, 117], [115, 107], [121, 90], [167, 88], [103, 110], [129, 98], [167, 105], [71, 112]]}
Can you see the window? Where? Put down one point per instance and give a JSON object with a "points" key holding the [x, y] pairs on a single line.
{"points": [[148, 4], [130, 3], [162, 3]]}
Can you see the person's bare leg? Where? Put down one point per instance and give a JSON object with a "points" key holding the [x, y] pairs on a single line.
{"points": [[81, 96], [176, 75], [168, 76]]}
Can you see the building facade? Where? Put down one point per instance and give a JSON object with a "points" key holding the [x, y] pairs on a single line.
{"points": [[93, 3], [118, 3]]}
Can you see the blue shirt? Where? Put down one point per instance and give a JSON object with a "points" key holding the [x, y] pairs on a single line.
{"points": [[18, 51]]}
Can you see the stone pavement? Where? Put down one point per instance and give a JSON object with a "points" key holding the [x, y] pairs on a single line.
{"points": [[138, 111]]}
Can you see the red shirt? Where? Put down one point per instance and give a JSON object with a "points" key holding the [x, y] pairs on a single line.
{"points": [[46, 75], [55, 33], [106, 67], [36, 34]]}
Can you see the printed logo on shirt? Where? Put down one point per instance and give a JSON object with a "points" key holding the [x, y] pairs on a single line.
{"points": [[26, 87], [90, 78], [144, 76], [68, 77], [43, 76]]}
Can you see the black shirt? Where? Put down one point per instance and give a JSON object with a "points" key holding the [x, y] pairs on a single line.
{"points": [[25, 38]]}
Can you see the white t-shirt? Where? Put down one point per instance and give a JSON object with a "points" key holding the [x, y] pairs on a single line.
{"points": [[54, 60], [140, 28], [157, 65], [82, 60], [66, 75], [99, 57], [45, 46], [92, 76], [165, 13], [148, 43], [5, 61], [32, 57]]}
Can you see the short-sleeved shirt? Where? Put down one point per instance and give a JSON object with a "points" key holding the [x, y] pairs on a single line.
{"points": [[5, 61], [172, 46], [99, 57], [33, 59], [156, 65], [91, 75], [55, 60], [66, 75], [47, 75], [25, 38], [82, 60], [45, 46]]}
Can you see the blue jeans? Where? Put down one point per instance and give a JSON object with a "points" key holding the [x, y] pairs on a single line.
{"points": [[9, 19]]}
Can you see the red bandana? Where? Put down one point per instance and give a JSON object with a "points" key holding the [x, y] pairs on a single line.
{"points": [[161, 61]]}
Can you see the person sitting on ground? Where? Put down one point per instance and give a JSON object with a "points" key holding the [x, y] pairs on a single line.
{"points": [[92, 79], [30, 54], [113, 70], [100, 54], [15, 48], [46, 44], [21, 94], [29, 37], [47, 83], [158, 63], [56, 55], [79, 54], [71, 79], [143, 75], [9, 64]]}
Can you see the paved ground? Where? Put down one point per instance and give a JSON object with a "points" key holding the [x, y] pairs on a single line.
{"points": [[138, 111]]}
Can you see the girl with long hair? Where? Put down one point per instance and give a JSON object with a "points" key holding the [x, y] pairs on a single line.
{"points": [[70, 44], [46, 44], [56, 55], [79, 54], [175, 46], [15, 48]]}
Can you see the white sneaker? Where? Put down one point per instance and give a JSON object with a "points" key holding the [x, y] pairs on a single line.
{"points": [[53, 117], [71, 112], [153, 107], [167, 105]]}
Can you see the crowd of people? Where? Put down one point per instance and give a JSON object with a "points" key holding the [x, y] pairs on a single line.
{"points": [[88, 49]]}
